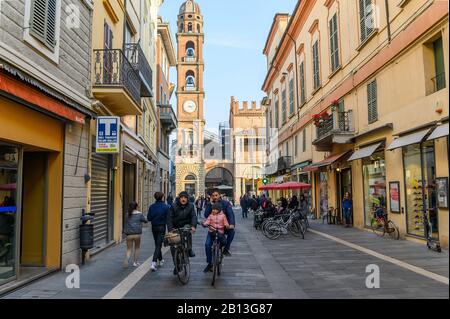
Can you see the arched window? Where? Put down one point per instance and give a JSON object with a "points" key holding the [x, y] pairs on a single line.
{"points": [[190, 51], [190, 80], [198, 28], [190, 177], [190, 27], [181, 27]]}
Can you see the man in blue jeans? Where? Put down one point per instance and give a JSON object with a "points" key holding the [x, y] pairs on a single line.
{"points": [[228, 211]]}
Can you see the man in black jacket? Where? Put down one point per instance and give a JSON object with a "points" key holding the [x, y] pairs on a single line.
{"points": [[182, 213]]}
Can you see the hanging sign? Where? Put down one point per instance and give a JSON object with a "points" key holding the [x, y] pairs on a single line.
{"points": [[108, 135]]}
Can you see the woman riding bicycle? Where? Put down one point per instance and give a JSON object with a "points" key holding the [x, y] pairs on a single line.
{"points": [[218, 221]]}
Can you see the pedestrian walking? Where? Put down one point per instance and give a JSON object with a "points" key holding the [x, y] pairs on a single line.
{"points": [[244, 205], [200, 205], [133, 231], [157, 215], [347, 205]]}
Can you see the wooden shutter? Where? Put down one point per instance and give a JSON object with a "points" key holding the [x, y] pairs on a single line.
{"points": [[283, 106], [302, 83], [291, 96], [304, 140], [372, 102], [316, 65], [334, 43], [43, 21]]}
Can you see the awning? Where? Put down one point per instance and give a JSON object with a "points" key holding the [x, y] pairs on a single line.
{"points": [[439, 132], [301, 165], [330, 160], [364, 152], [408, 139]]}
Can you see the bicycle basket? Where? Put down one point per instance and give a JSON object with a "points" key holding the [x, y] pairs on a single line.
{"points": [[172, 239]]}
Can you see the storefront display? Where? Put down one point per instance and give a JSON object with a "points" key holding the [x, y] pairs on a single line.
{"points": [[394, 197], [420, 183], [374, 174], [9, 164]]}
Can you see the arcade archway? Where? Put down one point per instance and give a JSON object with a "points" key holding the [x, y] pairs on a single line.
{"points": [[222, 179]]}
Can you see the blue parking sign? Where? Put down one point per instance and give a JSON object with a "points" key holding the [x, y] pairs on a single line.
{"points": [[108, 135]]}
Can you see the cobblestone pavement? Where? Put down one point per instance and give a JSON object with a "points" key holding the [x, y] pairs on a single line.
{"points": [[320, 266]]}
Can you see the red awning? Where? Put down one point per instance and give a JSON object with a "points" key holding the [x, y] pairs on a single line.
{"points": [[33, 96], [330, 160], [293, 185], [269, 187]]}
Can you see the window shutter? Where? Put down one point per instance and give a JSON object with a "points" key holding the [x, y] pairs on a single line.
{"points": [[304, 140], [38, 17], [291, 96], [50, 38], [372, 102], [43, 21], [302, 83]]}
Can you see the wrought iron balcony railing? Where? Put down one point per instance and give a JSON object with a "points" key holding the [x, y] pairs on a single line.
{"points": [[284, 163], [112, 69], [167, 116], [136, 56], [438, 82], [338, 122]]}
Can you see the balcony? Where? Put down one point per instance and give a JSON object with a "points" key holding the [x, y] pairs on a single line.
{"points": [[337, 129], [189, 151], [167, 117], [284, 163], [136, 56], [116, 82]]}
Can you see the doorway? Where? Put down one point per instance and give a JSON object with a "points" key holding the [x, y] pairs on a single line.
{"points": [[344, 185], [129, 187]]}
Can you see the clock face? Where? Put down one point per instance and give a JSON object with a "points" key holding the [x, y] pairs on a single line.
{"points": [[189, 106]]}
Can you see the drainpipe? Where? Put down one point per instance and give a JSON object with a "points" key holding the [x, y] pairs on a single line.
{"points": [[388, 21], [124, 27]]}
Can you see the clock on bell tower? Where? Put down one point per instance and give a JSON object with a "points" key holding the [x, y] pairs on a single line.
{"points": [[190, 100]]}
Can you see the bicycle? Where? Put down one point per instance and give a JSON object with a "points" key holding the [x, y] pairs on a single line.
{"points": [[432, 244], [178, 241], [277, 227], [381, 225], [217, 254]]}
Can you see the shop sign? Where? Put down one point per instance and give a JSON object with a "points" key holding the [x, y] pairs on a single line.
{"points": [[108, 135]]}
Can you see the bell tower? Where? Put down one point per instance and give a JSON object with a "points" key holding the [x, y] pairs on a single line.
{"points": [[190, 166]]}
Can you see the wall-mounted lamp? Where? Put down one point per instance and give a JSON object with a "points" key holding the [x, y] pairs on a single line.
{"points": [[87, 178]]}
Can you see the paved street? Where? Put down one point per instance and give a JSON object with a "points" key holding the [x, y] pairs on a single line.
{"points": [[329, 263]]}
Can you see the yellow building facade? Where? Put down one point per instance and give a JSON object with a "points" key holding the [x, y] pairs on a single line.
{"points": [[357, 94]]}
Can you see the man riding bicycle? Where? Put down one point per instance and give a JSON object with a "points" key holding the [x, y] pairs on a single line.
{"points": [[227, 209], [182, 213]]}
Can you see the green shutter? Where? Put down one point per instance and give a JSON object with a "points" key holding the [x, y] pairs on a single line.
{"points": [[291, 96], [43, 21], [302, 83], [372, 102]]}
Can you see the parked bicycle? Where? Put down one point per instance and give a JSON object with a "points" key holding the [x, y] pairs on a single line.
{"points": [[217, 254], [432, 243], [273, 229], [381, 225], [178, 240]]}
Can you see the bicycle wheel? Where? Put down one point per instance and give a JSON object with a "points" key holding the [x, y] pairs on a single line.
{"points": [[378, 227], [183, 266], [393, 231], [295, 229], [272, 230], [216, 263]]}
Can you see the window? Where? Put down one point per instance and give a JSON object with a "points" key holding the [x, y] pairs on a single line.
{"points": [[304, 140], [190, 27], [287, 148], [334, 43], [302, 84], [316, 66], [296, 145], [291, 96], [43, 21], [283, 106], [190, 51], [190, 80], [439, 79], [372, 101], [277, 113], [366, 19]]}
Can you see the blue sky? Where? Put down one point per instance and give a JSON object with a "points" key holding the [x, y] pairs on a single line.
{"points": [[235, 34]]}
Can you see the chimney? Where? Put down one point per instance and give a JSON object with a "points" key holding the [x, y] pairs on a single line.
{"points": [[253, 105], [245, 105]]}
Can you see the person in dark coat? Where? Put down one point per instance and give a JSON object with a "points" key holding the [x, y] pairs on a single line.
{"points": [[293, 204], [181, 214], [157, 215], [170, 199], [229, 213], [244, 206]]}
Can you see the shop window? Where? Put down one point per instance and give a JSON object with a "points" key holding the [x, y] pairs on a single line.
{"points": [[420, 185], [9, 164], [374, 178]]}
